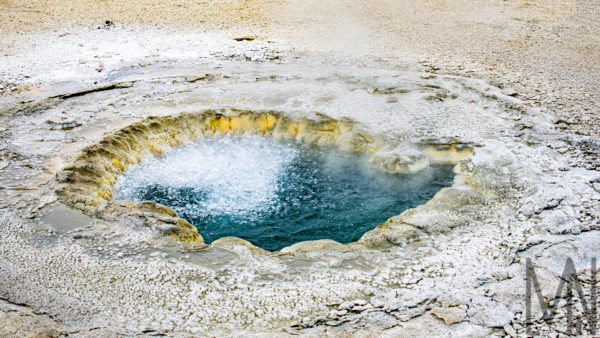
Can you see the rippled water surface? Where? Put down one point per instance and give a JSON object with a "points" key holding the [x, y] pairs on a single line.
{"points": [[275, 193]]}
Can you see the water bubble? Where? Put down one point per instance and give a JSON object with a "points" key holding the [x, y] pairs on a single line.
{"points": [[275, 193]]}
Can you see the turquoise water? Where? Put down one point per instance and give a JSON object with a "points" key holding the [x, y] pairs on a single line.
{"points": [[275, 193]]}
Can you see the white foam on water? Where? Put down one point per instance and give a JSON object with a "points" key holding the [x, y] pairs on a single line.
{"points": [[238, 175]]}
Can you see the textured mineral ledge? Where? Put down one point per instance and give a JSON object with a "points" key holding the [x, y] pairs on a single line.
{"points": [[73, 261], [87, 183]]}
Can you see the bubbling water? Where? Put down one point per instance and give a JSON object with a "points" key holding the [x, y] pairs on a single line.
{"points": [[275, 193]]}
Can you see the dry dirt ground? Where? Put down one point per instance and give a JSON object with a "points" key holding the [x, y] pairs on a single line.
{"points": [[545, 53], [549, 49]]}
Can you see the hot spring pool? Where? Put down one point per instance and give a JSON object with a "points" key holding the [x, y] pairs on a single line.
{"points": [[275, 193]]}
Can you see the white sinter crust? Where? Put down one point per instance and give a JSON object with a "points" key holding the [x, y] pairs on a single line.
{"points": [[452, 266]]}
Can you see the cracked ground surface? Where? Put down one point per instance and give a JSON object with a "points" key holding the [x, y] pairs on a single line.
{"points": [[517, 78]]}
